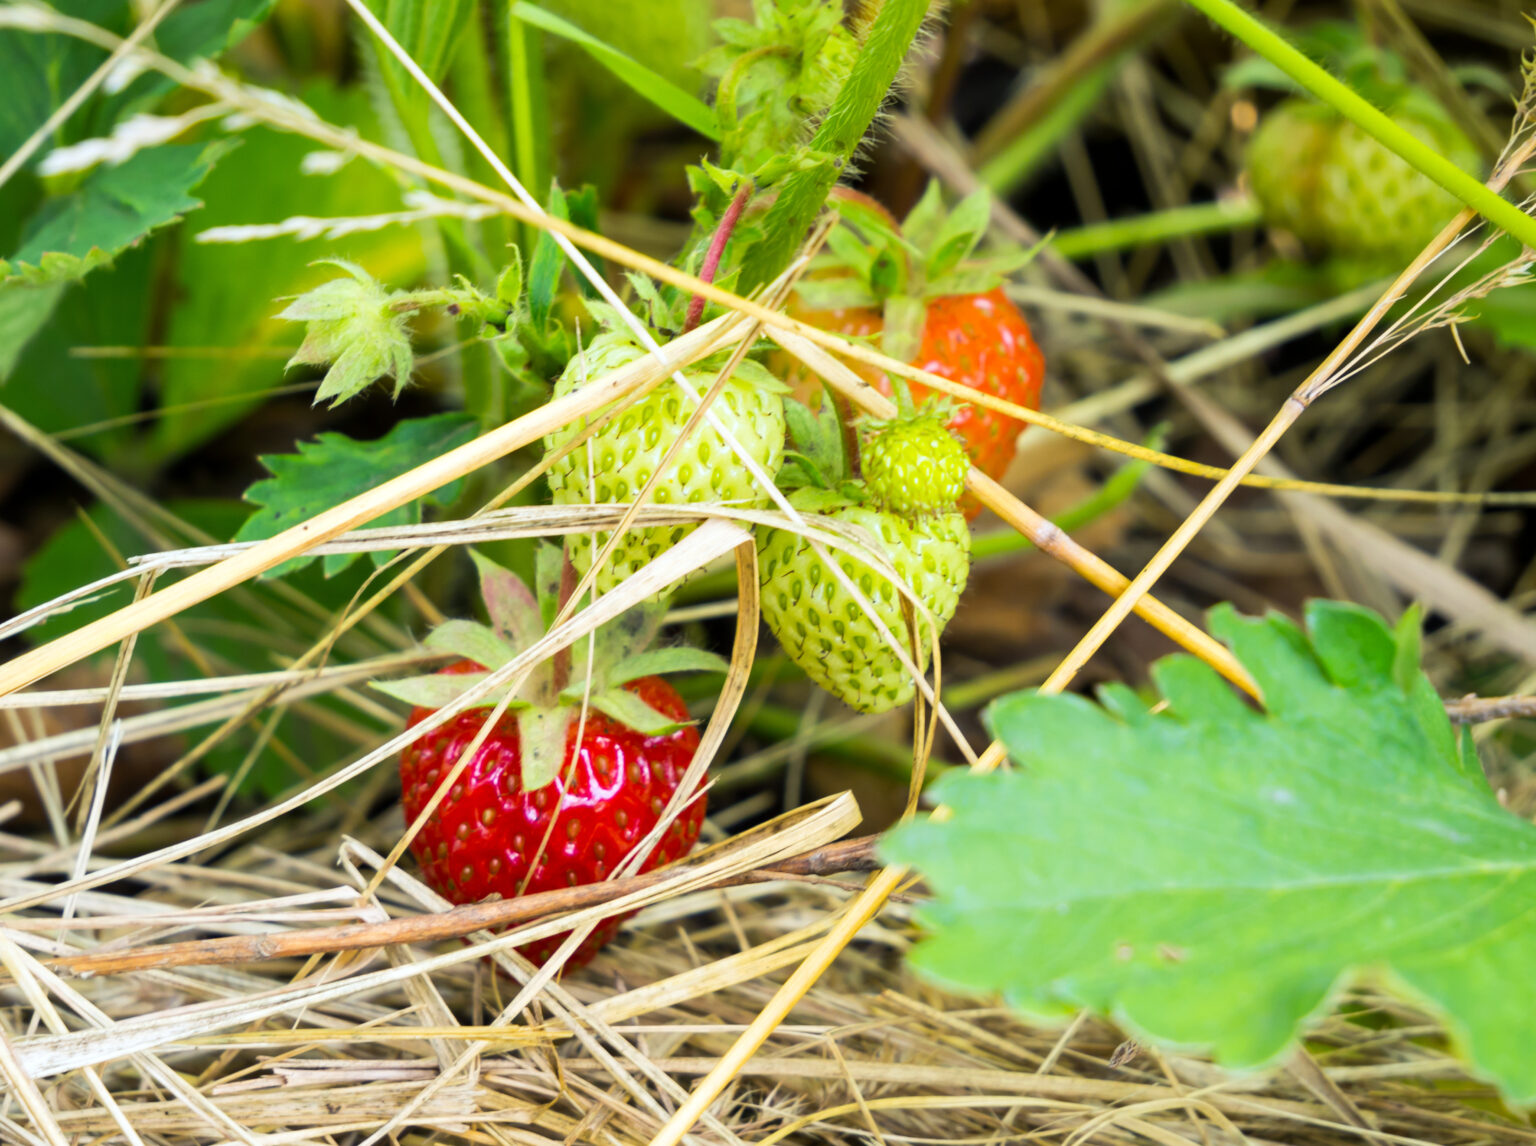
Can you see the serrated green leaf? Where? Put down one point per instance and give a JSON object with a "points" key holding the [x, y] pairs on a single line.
{"points": [[112, 210], [332, 468], [681, 105], [1211, 874]]}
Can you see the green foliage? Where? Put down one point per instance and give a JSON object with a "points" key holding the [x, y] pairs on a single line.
{"points": [[57, 390], [680, 104], [39, 71], [1211, 874], [224, 292], [326, 472], [112, 210]]}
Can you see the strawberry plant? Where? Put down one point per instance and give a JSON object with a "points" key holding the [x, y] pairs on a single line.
{"points": [[658, 310], [924, 295]]}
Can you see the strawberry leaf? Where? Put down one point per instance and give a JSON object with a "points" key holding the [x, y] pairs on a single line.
{"points": [[1212, 874], [114, 209], [333, 467], [542, 734]]}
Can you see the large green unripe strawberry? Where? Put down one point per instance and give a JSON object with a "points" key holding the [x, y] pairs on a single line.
{"points": [[614, 465], [1322, 178], [823, 628]]}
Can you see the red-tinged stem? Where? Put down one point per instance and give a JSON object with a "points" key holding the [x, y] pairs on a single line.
{"points": [[845, 418], [561, 661], [716, 250]]}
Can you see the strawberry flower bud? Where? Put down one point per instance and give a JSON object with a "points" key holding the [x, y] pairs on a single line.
{"points": [[353, 325]]}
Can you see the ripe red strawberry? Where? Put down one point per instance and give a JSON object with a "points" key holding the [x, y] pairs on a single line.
{"points": [[536, 808], [483, 838], [943, 312]]}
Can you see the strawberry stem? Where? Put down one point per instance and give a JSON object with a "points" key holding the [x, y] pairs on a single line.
{"points": [[560, 663], [712, 256], [845, 421]]}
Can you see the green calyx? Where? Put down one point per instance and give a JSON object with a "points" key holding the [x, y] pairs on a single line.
{"points": [[914, 467], [872, 262], [359, 329], [551, 696]]}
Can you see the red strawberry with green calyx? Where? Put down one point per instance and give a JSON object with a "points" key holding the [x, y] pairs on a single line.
{"points": [[552, 798], [933, 303]]}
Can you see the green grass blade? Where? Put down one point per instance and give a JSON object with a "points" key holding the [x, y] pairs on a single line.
{"points": [[662, 92]]}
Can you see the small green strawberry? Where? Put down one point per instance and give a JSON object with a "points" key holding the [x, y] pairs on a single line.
{"points": [[914, 466], [1321, 178], [822, 626], [617, 461]]}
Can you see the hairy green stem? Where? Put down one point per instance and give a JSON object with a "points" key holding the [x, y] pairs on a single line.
{"points": [[1274, 48], [805, 193]]}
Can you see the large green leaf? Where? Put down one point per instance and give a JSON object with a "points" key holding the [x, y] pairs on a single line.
{"points": [[57, 389], [332, 468], [112, 210], [1212, 874], [38, 72], [228, 295]]}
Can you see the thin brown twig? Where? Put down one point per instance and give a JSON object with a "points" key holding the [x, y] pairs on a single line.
{"points": [[844, 856]]}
